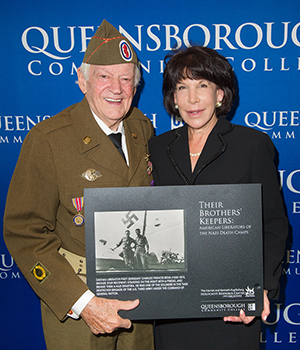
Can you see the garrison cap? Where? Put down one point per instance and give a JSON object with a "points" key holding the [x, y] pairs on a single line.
{"points": [[109, 47]]}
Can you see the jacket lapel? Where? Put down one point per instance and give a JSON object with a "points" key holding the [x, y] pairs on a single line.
{"points": [[135, 145], [107, 155], [178, 151], [215, 145], [90, 139]]}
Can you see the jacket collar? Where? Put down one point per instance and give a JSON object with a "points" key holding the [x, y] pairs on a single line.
{"points": [[92, 140], [178, 149]]}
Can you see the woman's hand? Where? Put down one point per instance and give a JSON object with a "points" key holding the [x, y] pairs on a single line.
{"points": [[248, 319], [266, 311]]}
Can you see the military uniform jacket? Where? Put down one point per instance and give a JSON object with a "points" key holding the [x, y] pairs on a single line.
{"points": [[233, 154], [39, 211]]}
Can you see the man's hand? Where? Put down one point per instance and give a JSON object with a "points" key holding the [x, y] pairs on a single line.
{"points": [[248, 319], [101, 315]]}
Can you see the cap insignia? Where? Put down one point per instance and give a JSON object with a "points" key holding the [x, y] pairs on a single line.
{"points": [[125, 51]]}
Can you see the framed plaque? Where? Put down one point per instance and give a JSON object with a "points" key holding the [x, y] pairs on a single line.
{"points": [[183, 251]]}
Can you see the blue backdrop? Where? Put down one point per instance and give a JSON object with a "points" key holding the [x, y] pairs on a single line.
{"points": [[43, 43]]}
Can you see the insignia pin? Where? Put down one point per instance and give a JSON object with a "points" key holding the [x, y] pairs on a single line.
{"points": [[91, 175], [149, 168], [78, 219]]}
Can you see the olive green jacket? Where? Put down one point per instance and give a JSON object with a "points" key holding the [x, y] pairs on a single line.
{"points": [[39, 211]]}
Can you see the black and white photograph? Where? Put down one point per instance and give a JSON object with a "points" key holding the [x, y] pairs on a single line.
{"points": [[139, 240], [159, 244]]}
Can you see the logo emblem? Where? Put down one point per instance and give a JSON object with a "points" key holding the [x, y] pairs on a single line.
{"points": [[125, 51], [249, 292]]}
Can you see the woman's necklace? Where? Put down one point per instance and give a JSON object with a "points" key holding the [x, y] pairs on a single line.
{"points": [[195, 154], [198, 145]]}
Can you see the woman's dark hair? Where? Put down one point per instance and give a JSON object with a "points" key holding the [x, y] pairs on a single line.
{"points": [[198, 62]]}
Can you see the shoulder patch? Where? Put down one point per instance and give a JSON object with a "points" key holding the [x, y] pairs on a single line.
{"points": [[39, 272]]}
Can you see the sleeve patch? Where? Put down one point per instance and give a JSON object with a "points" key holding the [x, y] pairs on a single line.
{"points": [[39, 272]]}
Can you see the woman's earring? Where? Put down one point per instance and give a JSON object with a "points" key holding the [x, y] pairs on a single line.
{"points": [[176, 106], [218, 104]]}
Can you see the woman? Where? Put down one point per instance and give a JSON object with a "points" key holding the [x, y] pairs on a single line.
{"points": [[199, 86]]}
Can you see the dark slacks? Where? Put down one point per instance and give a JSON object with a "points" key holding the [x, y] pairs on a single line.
{"points": [[206, 334]]}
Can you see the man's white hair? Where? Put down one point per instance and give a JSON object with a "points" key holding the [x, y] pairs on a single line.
{"points": [[85, 69]]}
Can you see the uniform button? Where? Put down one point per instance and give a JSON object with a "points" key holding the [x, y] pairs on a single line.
{"points": [[87, 140]]}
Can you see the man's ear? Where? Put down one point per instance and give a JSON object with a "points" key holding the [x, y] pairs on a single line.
{"points": [[81, 81]]}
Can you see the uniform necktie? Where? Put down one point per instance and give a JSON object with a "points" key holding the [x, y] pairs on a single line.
{"points": [[116, 140]]}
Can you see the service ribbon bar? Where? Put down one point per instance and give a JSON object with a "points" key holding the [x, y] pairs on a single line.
{"points": [[78, 203]]}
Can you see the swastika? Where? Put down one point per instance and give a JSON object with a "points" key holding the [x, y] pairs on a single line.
{"points": [[129, 221]]}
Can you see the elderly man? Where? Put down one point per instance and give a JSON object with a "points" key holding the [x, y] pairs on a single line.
{"points": [[44, 217]]}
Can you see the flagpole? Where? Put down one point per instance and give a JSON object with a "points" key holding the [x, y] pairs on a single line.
{"points": [[144, 226]]}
